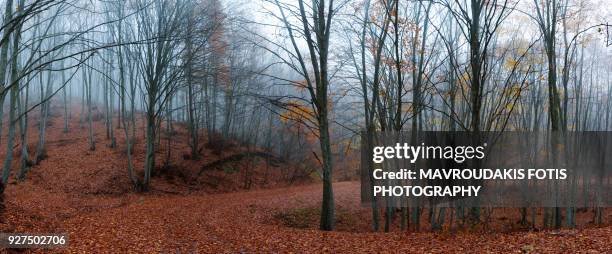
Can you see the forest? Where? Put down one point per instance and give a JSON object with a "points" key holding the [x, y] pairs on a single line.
{"points": [[238, 126]]}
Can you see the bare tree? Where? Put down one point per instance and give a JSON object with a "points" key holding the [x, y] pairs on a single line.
{"points": [[314, 22]]}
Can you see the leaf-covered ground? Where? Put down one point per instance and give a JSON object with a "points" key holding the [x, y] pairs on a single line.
{"points": [[87, 195]]}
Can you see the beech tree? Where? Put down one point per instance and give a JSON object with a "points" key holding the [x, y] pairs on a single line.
{"points": [[157, 66], [312, 23]]}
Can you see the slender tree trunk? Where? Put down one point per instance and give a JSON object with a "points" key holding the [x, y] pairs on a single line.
{"points": [[150, 148], [476, 60], [327, 209], [41, 152], [88, 86], [3, 62], [25, 160], [65, 99], [14, 85]]}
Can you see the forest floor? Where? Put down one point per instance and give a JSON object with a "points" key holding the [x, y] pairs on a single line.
{"points": [[87, 195]]}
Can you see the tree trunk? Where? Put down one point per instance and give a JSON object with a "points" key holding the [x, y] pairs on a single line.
{"points": [[25, 160], [4, 62], [8, 161], [327, 206]]}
